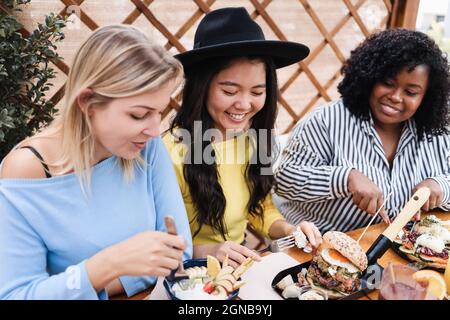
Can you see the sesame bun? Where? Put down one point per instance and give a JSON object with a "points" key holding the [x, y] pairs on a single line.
{"points": [[348, 247]]}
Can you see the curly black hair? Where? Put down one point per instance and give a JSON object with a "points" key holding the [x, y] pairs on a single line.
{"points": [[382, 56]]}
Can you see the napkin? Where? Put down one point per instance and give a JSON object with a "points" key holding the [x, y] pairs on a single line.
{"points": [[158, 292], [259, 277]]}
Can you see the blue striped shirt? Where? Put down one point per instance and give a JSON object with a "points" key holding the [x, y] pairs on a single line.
{"points": [[324, 147]]}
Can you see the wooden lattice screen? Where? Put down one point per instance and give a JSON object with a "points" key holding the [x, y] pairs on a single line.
{"points": [[331, 28]]}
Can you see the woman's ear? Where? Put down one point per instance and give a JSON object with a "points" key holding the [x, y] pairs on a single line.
{"points": [[83, 99]]}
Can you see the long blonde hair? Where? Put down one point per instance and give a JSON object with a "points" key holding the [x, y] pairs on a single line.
{"points": [[116, 61]]}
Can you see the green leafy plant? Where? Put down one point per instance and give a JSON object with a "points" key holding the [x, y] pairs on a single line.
{"points": [[24, 74]]}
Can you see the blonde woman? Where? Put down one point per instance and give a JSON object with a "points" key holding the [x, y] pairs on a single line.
{"points": [[82, 203]]}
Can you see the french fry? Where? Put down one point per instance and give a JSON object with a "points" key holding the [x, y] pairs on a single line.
{"points": [[225, 262], [238, 284], [243, 268], [224, 271]]}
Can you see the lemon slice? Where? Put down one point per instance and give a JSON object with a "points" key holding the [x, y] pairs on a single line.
{"points": [[436, 282], [213, 266]]}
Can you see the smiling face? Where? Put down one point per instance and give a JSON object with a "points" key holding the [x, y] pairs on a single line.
{"points": [[395, 100], [236, 94], [123, 126]]}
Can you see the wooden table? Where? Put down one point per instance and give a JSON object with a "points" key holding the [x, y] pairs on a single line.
{"points": [[372, 233]]}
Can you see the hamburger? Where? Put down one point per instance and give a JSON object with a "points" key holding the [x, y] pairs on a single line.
{"points": [[337, 266]]}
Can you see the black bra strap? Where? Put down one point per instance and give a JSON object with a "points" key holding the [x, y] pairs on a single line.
{"points": [[38, 155]]}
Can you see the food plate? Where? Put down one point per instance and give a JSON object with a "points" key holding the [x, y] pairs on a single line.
{"points": [[419, 265], [369, 280], [396, 245], [168, 283]]}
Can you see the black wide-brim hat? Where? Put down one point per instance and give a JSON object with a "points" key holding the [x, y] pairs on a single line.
{"points": [[232, 32]]}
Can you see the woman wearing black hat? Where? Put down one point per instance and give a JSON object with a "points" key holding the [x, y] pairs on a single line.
{"points": [[217, 142]]}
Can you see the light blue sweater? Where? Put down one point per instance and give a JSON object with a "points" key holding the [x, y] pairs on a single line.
{"points": [[49, 228]]}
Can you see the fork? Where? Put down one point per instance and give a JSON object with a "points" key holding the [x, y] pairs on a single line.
{"points": [[284, 244], [178, 273], [280, 244]]}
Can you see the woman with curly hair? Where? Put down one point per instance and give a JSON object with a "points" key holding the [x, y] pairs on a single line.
{"points": [[373, 148]]}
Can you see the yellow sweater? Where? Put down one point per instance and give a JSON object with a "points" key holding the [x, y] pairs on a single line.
{"points": [[231, 157]]}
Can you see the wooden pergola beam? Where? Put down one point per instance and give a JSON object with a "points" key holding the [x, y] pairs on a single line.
{"points": [[404, 14]]}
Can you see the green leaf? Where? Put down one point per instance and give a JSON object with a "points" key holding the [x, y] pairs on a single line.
{"points": [[29, 113], [8, 125], [49, 53], [3, 114], [25, 75]]}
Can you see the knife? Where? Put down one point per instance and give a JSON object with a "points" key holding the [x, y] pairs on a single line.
{"points": [[384, 240]]}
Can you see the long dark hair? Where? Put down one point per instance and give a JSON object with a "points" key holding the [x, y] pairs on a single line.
{"points": [[203, 178]]}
